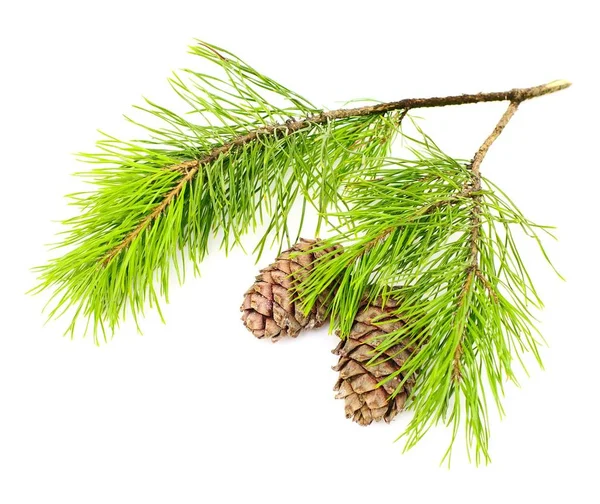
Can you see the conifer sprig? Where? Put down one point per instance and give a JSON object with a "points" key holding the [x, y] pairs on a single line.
{"points": [[434, 233], [234, 161], [429, 229]]}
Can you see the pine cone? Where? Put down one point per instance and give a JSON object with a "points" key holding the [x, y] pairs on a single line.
{"points": [[357, 383], [270, 306]]}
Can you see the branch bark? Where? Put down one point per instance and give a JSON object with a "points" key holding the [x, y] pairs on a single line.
{"points": [[190, 168]]}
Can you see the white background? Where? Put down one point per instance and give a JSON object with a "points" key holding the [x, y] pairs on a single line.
{"points": [[198, 410]]}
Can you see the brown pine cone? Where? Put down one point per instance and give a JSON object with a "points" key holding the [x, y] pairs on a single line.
{"points": [[270, 307], [357, 383]]}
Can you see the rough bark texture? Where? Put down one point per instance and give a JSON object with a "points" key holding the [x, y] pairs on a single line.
{"points": [[358, 383], [271, 307]]}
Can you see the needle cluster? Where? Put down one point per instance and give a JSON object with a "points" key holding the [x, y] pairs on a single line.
{"points": [[468, 302]]}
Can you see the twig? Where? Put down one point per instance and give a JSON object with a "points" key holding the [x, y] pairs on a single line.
{"points": [[191, 167], [473, 268]]}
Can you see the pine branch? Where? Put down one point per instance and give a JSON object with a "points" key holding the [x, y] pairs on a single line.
{"points": [[429, 230], [292, 126], [233, 160], [443, 233]]}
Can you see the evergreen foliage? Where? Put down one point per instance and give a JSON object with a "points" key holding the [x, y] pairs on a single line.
{"points": [[426, 229], [467, 306], [165, 196]]}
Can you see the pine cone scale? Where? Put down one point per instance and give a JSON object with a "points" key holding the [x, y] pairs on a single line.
{"points": [[261, 304]]}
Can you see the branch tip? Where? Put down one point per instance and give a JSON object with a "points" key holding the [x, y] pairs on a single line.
{"points": [[557, 85]]}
